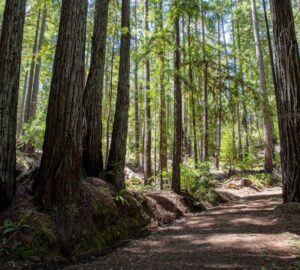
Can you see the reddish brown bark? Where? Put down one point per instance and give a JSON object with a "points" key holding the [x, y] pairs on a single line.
{"points": [[92, 100]]}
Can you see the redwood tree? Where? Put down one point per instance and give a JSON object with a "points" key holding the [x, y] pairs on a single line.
{"points": [[117, 153], [92, 101], [288, 96], [147, 130], [177, 142], [59, 175], [10, 61]]}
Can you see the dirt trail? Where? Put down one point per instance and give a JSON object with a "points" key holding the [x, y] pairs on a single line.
{"points": [[244, 234]]}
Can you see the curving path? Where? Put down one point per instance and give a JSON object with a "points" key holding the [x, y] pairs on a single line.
{"points": [[244, 234]]}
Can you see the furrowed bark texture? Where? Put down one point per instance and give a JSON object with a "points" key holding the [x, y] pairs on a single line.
{"points": [[10, 61], [59, 174], [92, 101], [288, 96], [57, 184], [117, 153]]}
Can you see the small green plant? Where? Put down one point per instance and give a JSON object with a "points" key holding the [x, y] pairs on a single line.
{"points": [[198, 181], [8, 232], [122, 197]]}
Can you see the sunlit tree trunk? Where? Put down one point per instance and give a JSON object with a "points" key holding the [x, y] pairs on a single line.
{"points": [[21, 116], [264, 92], [192, 87], [244, 107], [36, 81], [31, 72], [10, 62]]}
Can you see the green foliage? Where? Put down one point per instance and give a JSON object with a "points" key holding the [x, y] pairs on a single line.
{"points": [[198, 181], [228, 149], [34, 131], [122, 197], [8, 243]]}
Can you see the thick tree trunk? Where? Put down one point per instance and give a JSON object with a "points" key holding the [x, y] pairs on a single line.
{"points": [[117, 153], [36, 82], [10, 61], [92, 99], [288, 96], [57, 185], [177, 143], [147, 134], [264, 92]]}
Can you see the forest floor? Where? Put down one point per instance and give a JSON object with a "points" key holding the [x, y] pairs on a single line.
{"points": [[254, 231]]}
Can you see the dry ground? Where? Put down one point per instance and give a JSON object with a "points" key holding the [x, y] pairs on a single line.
{"points": [[247, 233]]}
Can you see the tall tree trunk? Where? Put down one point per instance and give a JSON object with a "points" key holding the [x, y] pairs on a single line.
{"points": [[205, 86], [10, 62], [272, 66], [244, 107], [288, 96], [177, 143], [147, 134], [36, 82], [185, 142], [219, 102], [31, 72], [57, 185], [264, 92], [236, 83], [230, 93], [117, 153], [109, 115], [136, 95], [163, 151], [92, 99], [192, 87]]}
